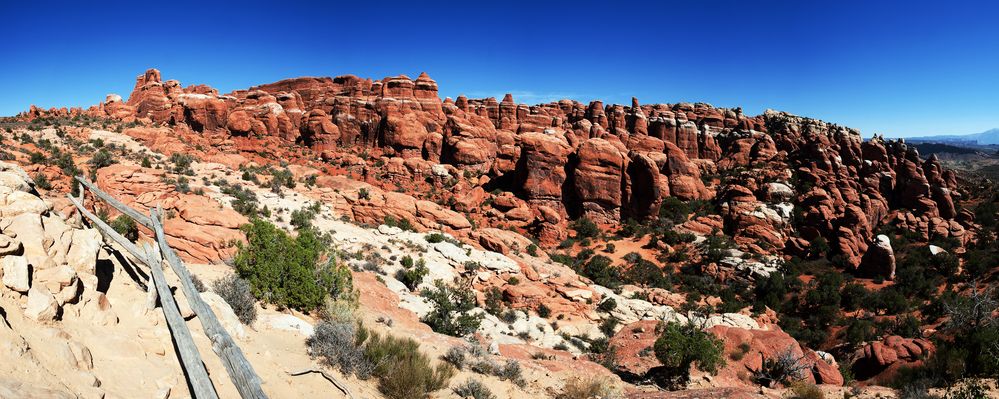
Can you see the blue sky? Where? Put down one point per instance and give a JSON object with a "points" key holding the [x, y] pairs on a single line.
{"points": [[898, 68]]}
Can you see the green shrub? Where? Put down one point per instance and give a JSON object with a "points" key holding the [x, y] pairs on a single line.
{"points": [[198, 284], [644, 272], [434, 238], [125, 225], [413, 277], [512, 372], [403, 371], [494, 301], [673, 237], [681, 345], [403, 223], [302, 218], [245, 201], [101, 159], [42, 182], [182, 163], [532, 250], [609, 326], [585, 228], [451, 312], [601, 271], [674, 210], [544, 311], [607, 305], [290, 272]]}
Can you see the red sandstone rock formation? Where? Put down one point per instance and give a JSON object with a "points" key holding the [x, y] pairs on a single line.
{"points": [[566, 159], [200, 229], [879, 360]]}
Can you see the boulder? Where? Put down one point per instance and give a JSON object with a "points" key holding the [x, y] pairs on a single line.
{"points": [[879, 260], [42, 305], [16, 274], [879, 360], [28, 229], [82, 255], [9, 245]]}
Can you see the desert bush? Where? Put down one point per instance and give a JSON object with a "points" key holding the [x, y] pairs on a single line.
{"points": [[801, 390], [125, 225], [494, 301], [42, 182], [475, 358], [590, 388], [236, 293], [434, 238], [341, 310], [412, 277], [512, 372], [402, 223], [456, 356], [451, 312], [302, 218], [182, 163], [198, 284], [969, 389], [403, 371], [644, 272], [601, 271], [673, 237], [681, 345], [338, 345], [585, 228], [544, 311], [532, 249], [675, 210], [785, 369], [101, 159], [290, 272], [38, 158], [245, 201], [474, 389], [282, 178], [858, 331]]}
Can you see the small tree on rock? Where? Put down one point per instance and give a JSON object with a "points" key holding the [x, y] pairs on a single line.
{"points": [[452, 310]]}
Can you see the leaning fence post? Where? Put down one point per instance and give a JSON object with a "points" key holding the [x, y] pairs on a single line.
{"points": [[151, 296], [190, 358]]}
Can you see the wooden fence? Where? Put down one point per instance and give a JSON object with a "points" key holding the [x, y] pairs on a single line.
{"points": [[238, 367]]}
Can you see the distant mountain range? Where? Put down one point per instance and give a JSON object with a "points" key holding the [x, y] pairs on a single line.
{"points": [[984, 138]]}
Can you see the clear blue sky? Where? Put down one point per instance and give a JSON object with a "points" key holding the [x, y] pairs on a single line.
{"points": [[899, 68]]}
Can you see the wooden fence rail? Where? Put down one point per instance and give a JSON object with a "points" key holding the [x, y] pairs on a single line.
{"points": [[237, 366]]}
